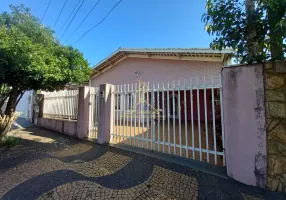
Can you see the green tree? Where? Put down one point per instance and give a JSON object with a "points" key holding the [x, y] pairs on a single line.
{"points": [[31, 58], [254, 29]]}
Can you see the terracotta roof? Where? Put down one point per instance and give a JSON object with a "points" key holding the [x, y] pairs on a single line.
{"points": [[167, 53]]}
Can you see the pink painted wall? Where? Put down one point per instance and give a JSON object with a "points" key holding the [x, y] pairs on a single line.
{"points": [[61, 126], [83, 112], [157, 70], [245, 129]]}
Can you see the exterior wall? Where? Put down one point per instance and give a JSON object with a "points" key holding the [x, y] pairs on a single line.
{"points": [[61, 126], [276, 125], [156, 70], [23, 104], [83, 112], [245, 125]]}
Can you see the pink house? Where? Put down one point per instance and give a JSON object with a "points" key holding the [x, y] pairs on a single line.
{"points": [[177, 66]]}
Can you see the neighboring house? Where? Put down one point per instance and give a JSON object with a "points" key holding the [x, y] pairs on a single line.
{"points": [[23, 105], [127, 66]]}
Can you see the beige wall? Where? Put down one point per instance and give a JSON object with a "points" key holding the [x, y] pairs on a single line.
{"points": [[156, 70]]}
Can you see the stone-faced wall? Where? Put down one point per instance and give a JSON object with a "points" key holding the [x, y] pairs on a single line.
{"points": [[275, 79]]}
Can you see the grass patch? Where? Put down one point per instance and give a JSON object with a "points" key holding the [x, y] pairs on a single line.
{"points": [[10, 141]]}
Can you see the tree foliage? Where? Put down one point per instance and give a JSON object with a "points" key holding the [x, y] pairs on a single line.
{"points": [[255, 33], [31, 58]]}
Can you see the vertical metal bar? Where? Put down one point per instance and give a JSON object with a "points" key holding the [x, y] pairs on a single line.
{"points": [[192, 116], [76, 104], [94, 118], [68, 104], [131, 113], [120, 114], [139, 113], [97, 112], [128, 115], [199, 118], [117, 113], [174, 126], [124, 114], [64, 103], [158, 114], [148, 113], [56, 103], [74, 107], [179, 113], [206, 121], [57, 107], [168, 115], [222, 118], [143, 113], [135, 117], [62, 99], [95, 126], [61, 96], [61, 104], [114, 117], [57, 93], [72, 103], [213, 114], [163, 116], [90, 111], [186, 122], [153, 117]]}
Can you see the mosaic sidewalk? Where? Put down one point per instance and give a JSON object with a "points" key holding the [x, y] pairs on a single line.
{"points": [[48, 165]]}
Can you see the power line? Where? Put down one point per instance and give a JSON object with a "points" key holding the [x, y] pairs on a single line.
{"points": [[46, 10], [83, 20], [60, 14], [99, 22], [70, 15], [73, 18]]}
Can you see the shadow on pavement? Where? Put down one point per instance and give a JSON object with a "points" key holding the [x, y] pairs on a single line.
{"points": [[41, 143]]}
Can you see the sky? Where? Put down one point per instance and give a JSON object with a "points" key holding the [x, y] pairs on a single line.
{"points": [[132, 24]]}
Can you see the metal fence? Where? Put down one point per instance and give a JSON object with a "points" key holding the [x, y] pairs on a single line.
{"points": [[183, 118], [61, 104]]}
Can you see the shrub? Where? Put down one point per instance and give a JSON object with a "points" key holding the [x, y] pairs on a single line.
{"points": [[10, 141]]}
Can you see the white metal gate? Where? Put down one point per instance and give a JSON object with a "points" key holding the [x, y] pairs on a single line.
{"points": [[183, 118], [94, 111]]}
